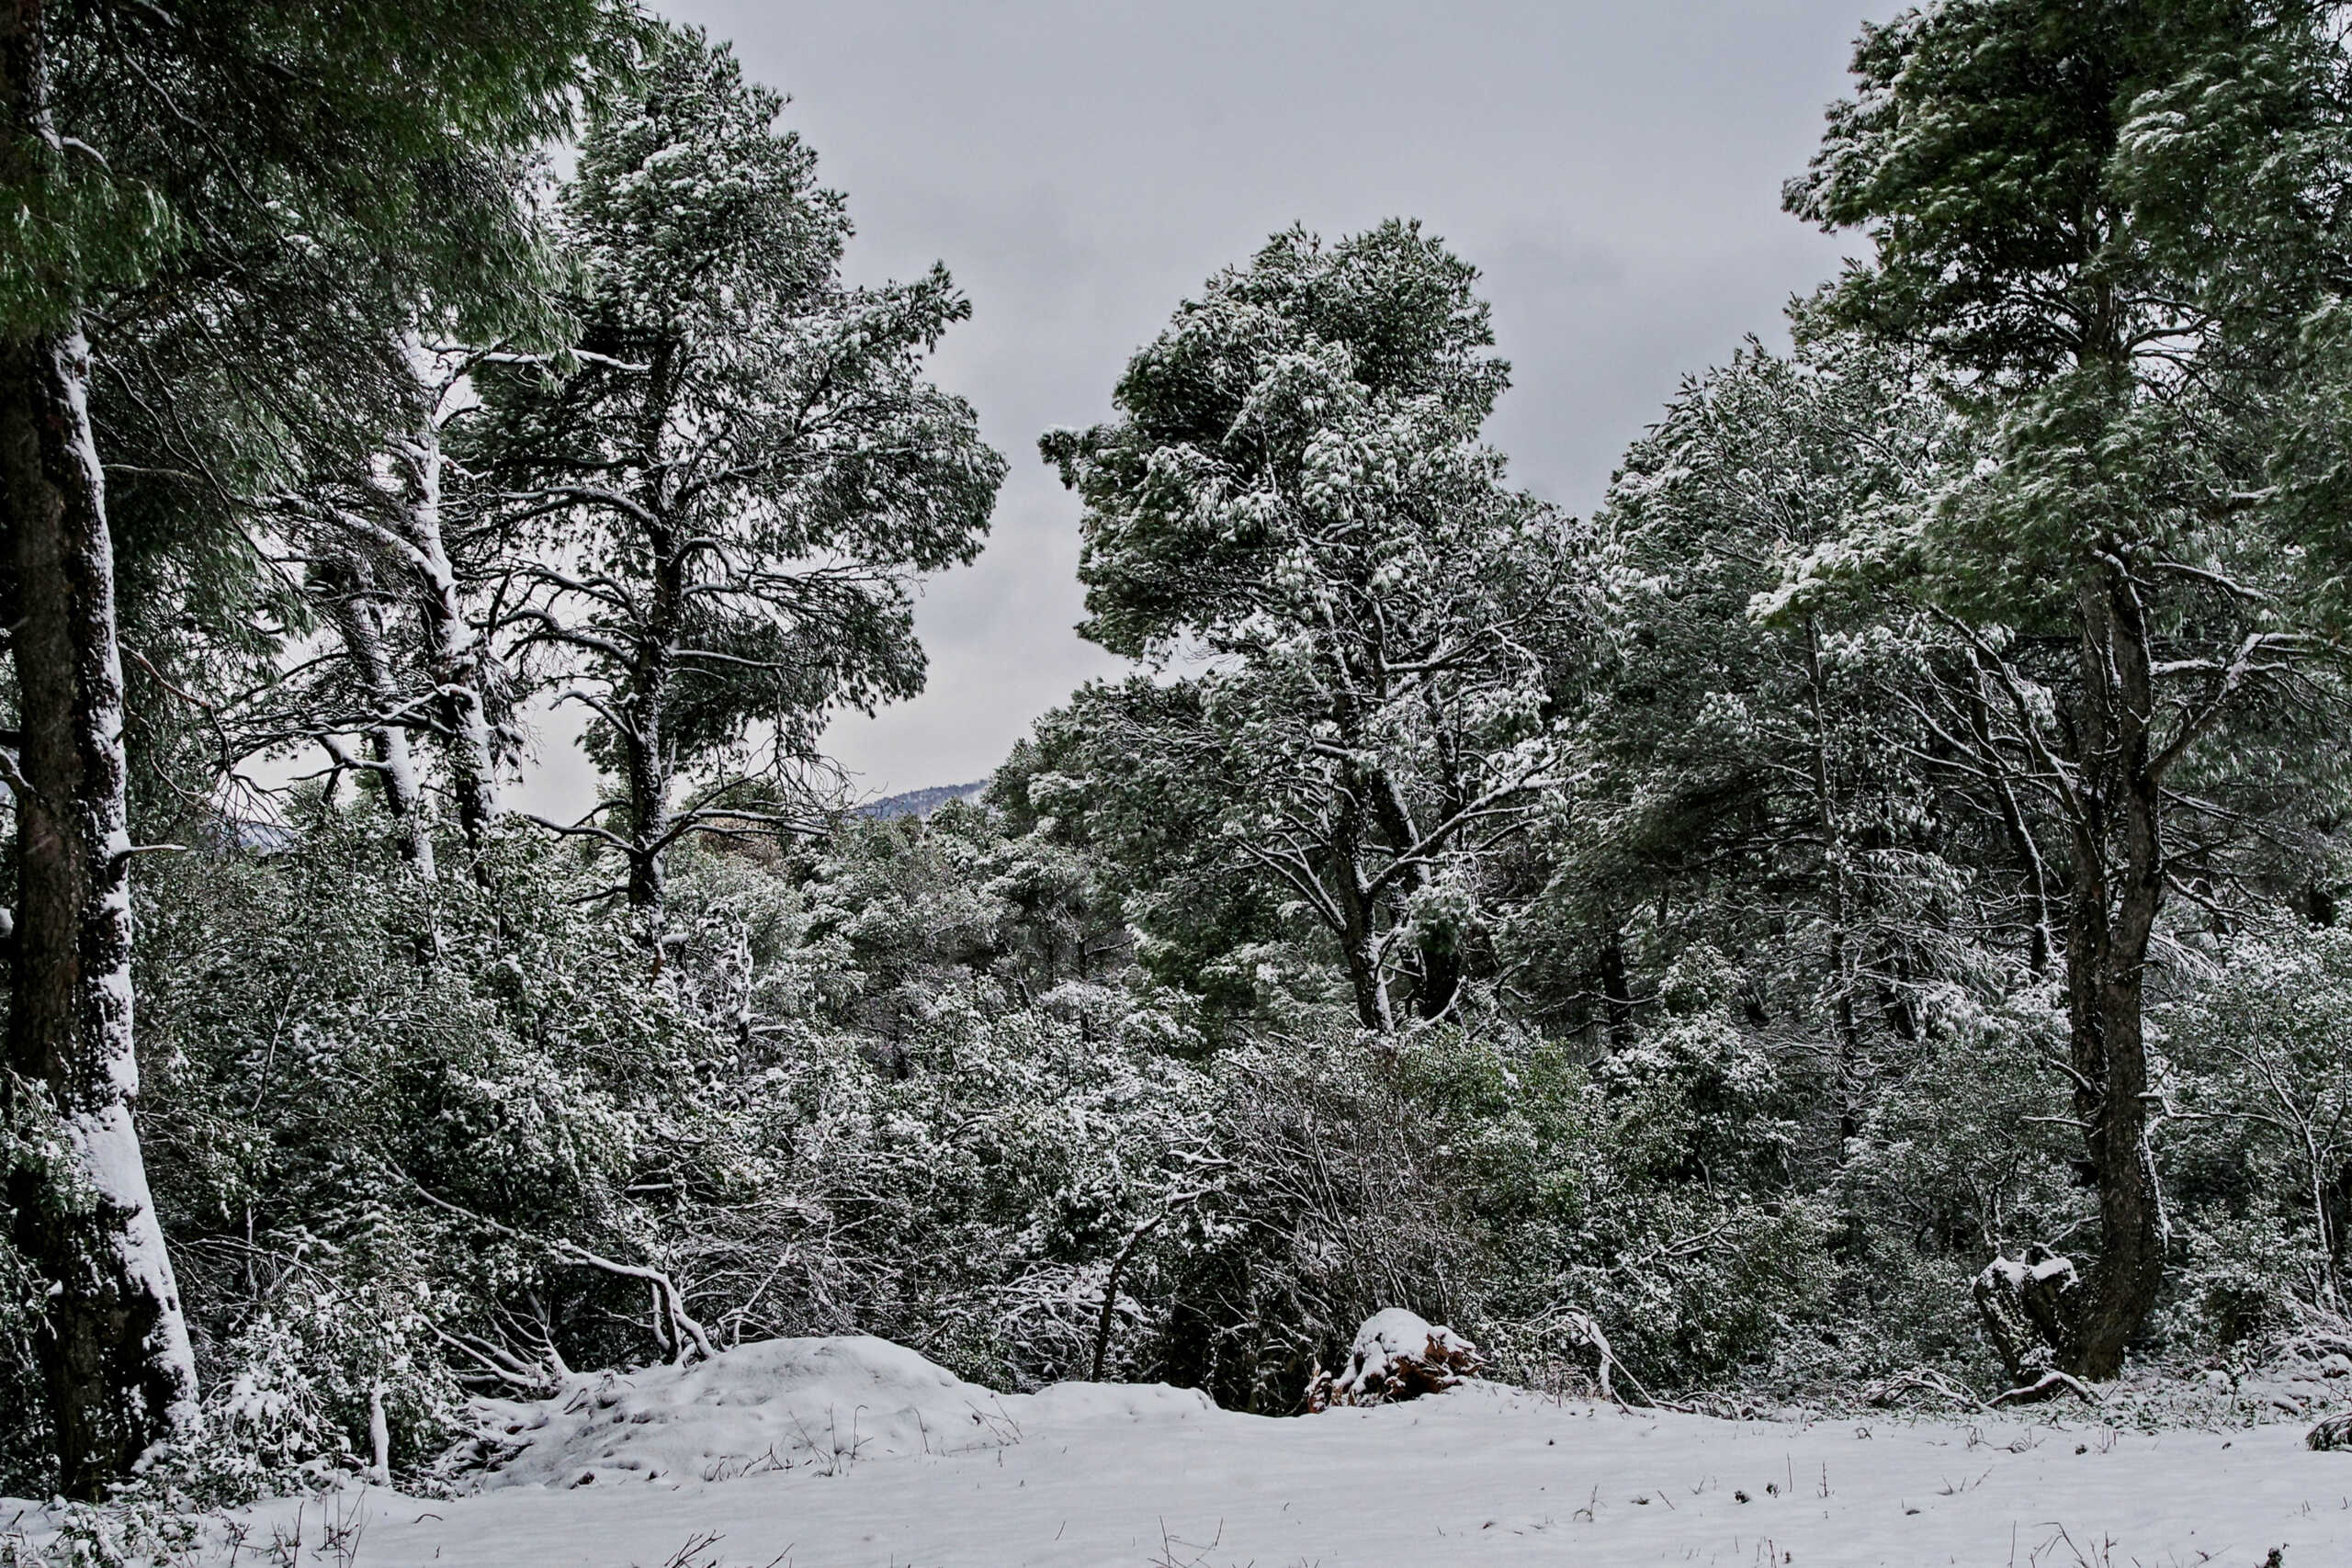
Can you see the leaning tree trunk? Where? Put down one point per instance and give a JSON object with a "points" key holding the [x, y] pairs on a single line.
{"points": [[455, 654], [113, 1345], [454, 651], [2117, 894]]}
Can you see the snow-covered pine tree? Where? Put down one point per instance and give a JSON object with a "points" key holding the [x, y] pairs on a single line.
{"points": [[1297, 487], [2064, 199], [325, 127], [727, 491], [372, 535], [1751, 757]]}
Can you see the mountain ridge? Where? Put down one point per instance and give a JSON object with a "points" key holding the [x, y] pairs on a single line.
{"points": [[920, 802]]}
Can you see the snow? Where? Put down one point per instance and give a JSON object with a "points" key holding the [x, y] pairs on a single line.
{"points": [[2020, 1274], [1394, 1332], [1085, 1475], [106, 1154], [781, 1403]]}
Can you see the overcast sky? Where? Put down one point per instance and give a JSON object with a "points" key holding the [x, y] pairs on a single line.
{"points": [[1613, 168]]}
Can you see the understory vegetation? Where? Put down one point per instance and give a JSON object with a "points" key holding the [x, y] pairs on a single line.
{"points": [[1861, 912]]}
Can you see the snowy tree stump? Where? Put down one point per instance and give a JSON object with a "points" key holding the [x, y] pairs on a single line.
{"points": [[1397, 1355], [2022, 1302], [2027, 1305]]}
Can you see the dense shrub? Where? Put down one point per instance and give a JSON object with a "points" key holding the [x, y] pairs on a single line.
{"points": [[415, 1139]]}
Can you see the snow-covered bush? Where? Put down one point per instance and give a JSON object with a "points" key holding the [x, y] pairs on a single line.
{"points": [[311, 1378], [348, 1065], [1489, 1180], [1349, 1183], [969, 1202], [413, 1139], [2260, 1148]]}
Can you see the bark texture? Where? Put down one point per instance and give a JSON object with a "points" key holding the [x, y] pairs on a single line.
{"points": [[2117, 894], [355, 606], [456, 658], [113, 1344]]}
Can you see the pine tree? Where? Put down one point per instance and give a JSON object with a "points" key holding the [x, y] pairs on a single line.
{"points": [[1296, 487], [1755, 764], [372, 532], [2060, 196], [727, 493]]}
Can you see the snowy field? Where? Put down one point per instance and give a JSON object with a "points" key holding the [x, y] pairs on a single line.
{"points": [[859, 1454]]}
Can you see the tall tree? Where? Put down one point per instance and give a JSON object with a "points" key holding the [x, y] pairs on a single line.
{"points": [[727, 493], [1296, 487], [467, 684], [2064, 200], [146, 146]]}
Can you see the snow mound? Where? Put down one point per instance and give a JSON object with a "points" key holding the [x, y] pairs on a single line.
{"points": [[1097, 1404], [825, 1403]]}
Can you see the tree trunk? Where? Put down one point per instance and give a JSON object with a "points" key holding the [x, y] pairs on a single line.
{"points": [[649, 767], [113, 1345], [455, 655], [359, 621], [1616, 992], [1359, 916], [1359, 949], [1441, 980], [2028, 1307], [2117, 894], [654, 665], [649, 788], [1439, 952]]}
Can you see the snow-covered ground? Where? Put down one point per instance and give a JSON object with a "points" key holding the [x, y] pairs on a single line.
{"points": [[941, 1473], [822, 1404]]}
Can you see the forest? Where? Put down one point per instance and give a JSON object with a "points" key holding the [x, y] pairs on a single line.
{"points": [[1861, 917]]}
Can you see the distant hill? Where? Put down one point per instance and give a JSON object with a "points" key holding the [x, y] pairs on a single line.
{"points": [[922, 802]]}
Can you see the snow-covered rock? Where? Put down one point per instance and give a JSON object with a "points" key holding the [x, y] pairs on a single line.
{"points": [[1397, 1355], [825, 1403]]}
